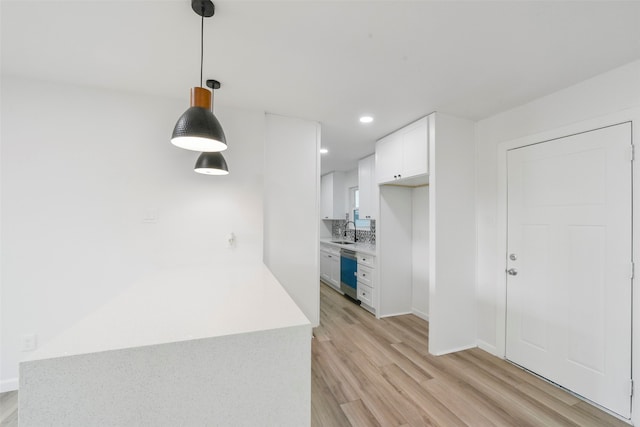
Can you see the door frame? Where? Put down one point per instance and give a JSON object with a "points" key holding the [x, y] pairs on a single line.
{"points": [[630, 115]]}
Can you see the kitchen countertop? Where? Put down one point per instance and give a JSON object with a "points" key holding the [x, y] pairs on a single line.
{"points": [[366, 248], [181, 306], [226, 341]]}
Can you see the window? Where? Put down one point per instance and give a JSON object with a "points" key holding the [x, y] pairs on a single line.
{"points": [[354, 203]]}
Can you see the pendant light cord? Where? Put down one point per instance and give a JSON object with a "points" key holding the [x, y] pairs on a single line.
{"points": [[201, 45]]}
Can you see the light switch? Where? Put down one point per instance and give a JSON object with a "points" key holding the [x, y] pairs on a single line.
{"points": [[29, 342]]}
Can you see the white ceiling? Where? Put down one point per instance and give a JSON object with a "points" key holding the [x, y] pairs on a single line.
{"points": [[329, 61]]}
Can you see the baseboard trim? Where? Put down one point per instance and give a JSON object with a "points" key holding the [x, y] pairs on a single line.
{"points": [[395, 314], [8, 385], [421, 314], [454, 350], [483, 345]]}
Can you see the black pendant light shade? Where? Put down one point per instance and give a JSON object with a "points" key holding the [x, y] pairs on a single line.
{"points": [[211, 164], [198, 129]]}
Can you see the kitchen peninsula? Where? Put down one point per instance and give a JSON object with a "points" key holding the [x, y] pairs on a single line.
{"points": [[215, 346]]}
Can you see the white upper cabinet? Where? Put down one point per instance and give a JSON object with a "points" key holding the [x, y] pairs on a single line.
{"points": [[388, 158], [404, 154], [415, 149], [368, 187], [332, 196]]}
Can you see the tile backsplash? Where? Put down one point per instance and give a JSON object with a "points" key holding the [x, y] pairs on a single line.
{"points": [[364, 236]]}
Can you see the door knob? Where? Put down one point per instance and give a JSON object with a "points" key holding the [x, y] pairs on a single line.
{"points": [[513, 257], [512, 272]]}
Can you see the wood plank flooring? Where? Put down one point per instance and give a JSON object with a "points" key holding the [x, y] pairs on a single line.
{"points": [[369, 372]]}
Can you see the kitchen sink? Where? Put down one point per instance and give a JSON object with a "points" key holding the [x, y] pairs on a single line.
{"points": [[342, 242]]}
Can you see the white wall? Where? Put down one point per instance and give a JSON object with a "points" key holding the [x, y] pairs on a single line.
{"points": [[393, 244], [325, 228], [596, 100], [452, 245], [420, 251], [610, 92], [81, 170], [292, 209]]}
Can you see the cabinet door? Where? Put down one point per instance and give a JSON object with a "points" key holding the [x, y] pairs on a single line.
{"points": [[365, 275], [332, 196], [326, 196], [388, 162], [325, 267], [368, 188], [335, 270], [366, 260], [365, 294], [415, 149]]}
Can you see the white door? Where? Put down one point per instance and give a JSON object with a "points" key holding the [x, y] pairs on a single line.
{"points": [[569, 255]]}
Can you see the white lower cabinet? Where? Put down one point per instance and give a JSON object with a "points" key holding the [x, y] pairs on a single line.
{"points": [[366, 281], [365, 275], [335, 270], [365, 294], [330, 265], [325, 267]]}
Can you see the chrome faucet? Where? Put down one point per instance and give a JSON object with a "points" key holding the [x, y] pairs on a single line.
{"points": [[346, 224]]}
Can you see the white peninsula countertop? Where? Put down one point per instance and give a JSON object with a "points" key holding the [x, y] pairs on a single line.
{"points": [[199, 304], [210, 346]]}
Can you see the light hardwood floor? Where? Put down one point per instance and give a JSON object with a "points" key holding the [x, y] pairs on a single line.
{"points": [[369, 372]]}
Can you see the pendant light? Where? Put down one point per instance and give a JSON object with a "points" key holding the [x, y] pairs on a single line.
{"points": [[211, 164], [198, 129]]}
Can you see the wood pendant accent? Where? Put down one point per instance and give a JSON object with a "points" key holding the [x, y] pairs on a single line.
{"points": [[201, 97]]}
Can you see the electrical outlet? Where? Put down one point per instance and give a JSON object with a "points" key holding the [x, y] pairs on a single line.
{"points": [[150, 216], [29, 342]]}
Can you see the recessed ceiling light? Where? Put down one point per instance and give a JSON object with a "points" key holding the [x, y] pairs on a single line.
{"points": [[323, 151], [366, 119]]}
